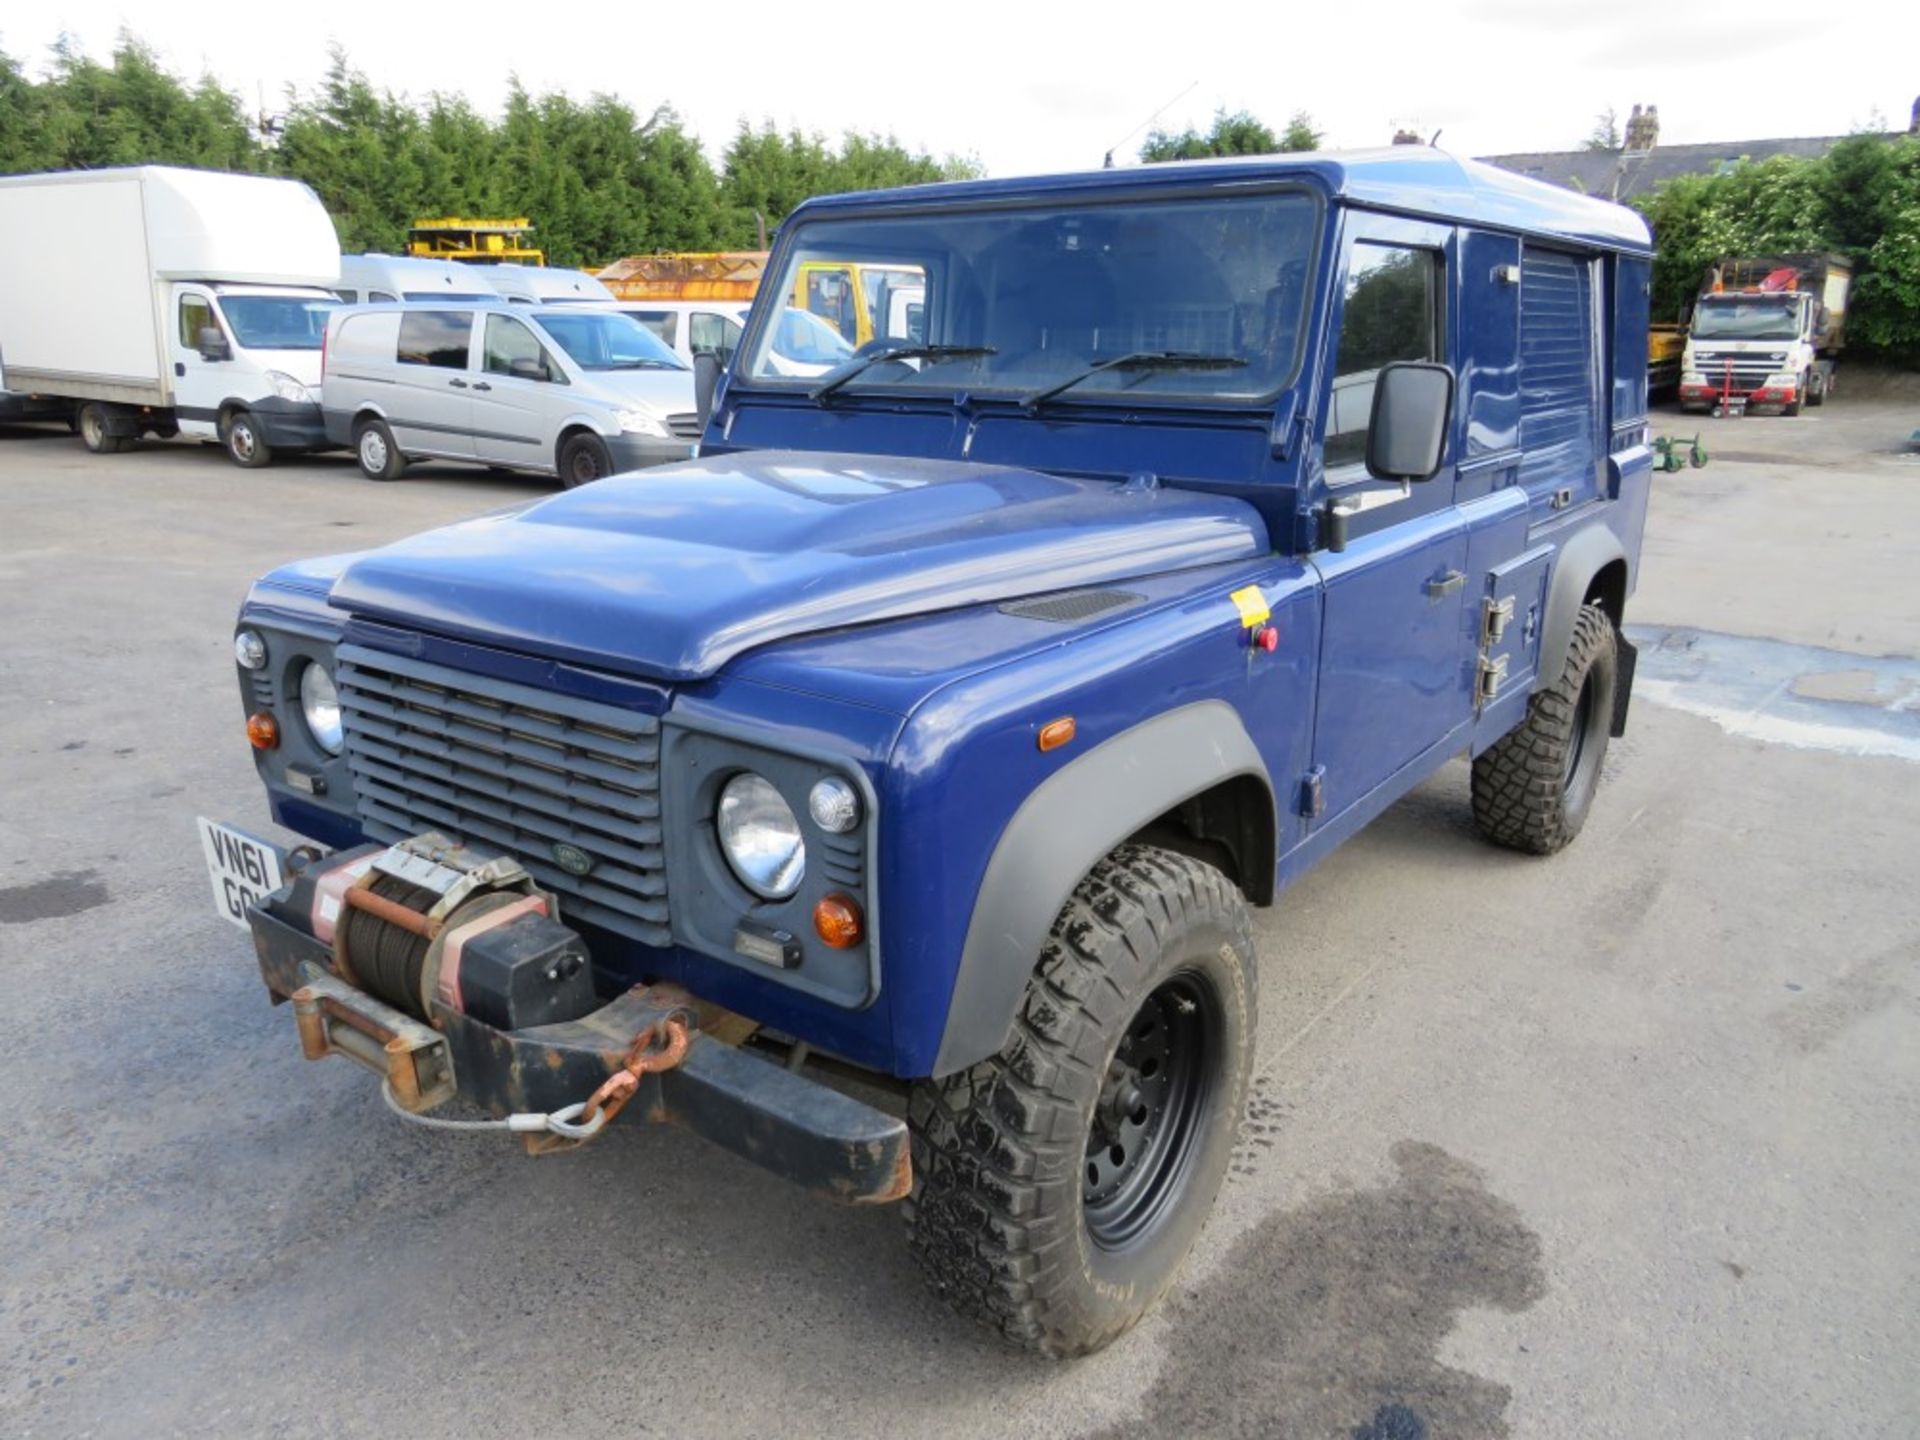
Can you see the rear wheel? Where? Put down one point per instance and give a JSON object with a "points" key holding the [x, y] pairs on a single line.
{"points": [[246, 443], [373, 447], [1059, 1185], [1533, 789], [94, 433], [584, 459]]}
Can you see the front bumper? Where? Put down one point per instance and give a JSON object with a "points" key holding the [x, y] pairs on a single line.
{"points": [[290, 424], [637, 452], [797, 1128]]}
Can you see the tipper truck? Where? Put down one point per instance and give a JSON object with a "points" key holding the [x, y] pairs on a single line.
{"points": [[158, 301], [1767, 330]]}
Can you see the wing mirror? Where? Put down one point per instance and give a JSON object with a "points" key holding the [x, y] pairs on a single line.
{"points": [[706, 377], [213, 344], [1412, 409], [525, 369]]}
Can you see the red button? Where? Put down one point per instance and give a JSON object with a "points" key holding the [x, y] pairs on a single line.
{"points": [[1267, 638]]}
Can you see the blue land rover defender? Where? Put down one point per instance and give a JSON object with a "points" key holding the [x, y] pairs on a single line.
{"points": [[947, 715]]}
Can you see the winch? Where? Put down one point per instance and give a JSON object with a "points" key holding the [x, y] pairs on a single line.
{"points": [[429, 921]]}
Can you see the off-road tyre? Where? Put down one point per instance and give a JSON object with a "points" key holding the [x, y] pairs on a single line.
{"points": [[373, 447], [90, 423], [583, 459], [246, 443], [1004, 1219], [1532, 789]]}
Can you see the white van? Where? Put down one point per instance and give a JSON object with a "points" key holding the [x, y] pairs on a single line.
{"points": [[542, 285], [803, 344], [159, 301], [576, 392], [383, 279]]}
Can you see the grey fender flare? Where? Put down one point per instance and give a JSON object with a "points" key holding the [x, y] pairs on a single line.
{"points": [[1059, 833], [1581, 558]]}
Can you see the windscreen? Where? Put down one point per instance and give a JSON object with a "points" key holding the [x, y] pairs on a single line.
{"points": [[808, 340], [607, 340], [278, 322], [1747, 318], [1212, 290]]}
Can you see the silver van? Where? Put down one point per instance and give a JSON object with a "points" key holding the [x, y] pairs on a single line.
{"points": [[373, 279], [578, 393]]}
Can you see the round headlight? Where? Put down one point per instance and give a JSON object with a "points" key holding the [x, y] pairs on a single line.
{"points": [[249, 649], [760, 837], [320, 707], [833, 805]]}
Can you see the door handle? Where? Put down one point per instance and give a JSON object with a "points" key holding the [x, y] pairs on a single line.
{"points": [[458, 384], [1563, 497], [179, 368], [1445, 584], [483, 385]]}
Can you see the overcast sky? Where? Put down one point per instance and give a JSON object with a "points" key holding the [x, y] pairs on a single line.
{"points": [[1033, 87]]}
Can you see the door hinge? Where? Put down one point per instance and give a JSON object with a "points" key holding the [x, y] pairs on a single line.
{"points": [[1493, 674], [1313, 797], [1494, 618]]}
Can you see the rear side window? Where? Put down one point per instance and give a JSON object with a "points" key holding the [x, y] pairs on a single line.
{"points": [[1392, 312], [352, 297], [196, 313], [435, 337]]}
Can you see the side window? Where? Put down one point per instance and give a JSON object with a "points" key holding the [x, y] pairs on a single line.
{"points": [[1392, 312], [351, 297], [663, 323], [435, 337], [380, 297], [710, 334], [509, 342], [196, 313]]}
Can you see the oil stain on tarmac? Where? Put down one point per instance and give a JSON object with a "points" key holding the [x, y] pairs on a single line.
{"points": [[1325, 1322], [58, 896]]}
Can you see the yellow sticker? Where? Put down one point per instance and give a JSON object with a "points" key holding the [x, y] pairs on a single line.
{"points": [[1252, 605]]}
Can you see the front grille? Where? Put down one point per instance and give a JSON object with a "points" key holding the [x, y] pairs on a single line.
{"points": [[1749, 369], [507, 766], [685, 426]]}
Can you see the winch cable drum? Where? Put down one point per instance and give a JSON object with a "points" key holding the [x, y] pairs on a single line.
{"points": [[388, 962]]}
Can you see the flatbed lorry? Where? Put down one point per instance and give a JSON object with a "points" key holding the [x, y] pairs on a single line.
{"points": [[161, 301], [1766, 330]]}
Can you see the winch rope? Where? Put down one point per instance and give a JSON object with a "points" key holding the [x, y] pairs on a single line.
{"points": [[659, 1046]]}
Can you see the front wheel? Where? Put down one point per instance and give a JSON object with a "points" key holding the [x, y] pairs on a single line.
{"points": [[1533, 788], [1059, 1185], [1800, 391], [584, 459], [1817, 393], [246, 444]]}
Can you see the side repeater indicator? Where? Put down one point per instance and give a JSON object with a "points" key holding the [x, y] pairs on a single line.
{"points": [[1056, 733]]}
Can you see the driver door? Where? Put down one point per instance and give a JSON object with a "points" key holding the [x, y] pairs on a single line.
{"points": [[199, 384], [1394, 672], [514, 423]]}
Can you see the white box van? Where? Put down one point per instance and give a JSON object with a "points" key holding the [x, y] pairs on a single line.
{"points": [[803, 344], [542, 285], [577, 392], [161, 301], [377, 279]]}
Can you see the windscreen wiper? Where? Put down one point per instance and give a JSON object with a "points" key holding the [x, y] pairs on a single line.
{"points": [[859, 364], [1136, 360]]}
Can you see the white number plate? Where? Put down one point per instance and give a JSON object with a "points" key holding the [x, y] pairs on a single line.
{"points": [[243, 869]]}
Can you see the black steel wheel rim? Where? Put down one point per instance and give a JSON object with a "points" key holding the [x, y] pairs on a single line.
{"points": [[1580, 751], [586, 465], [1152, 1112]]}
